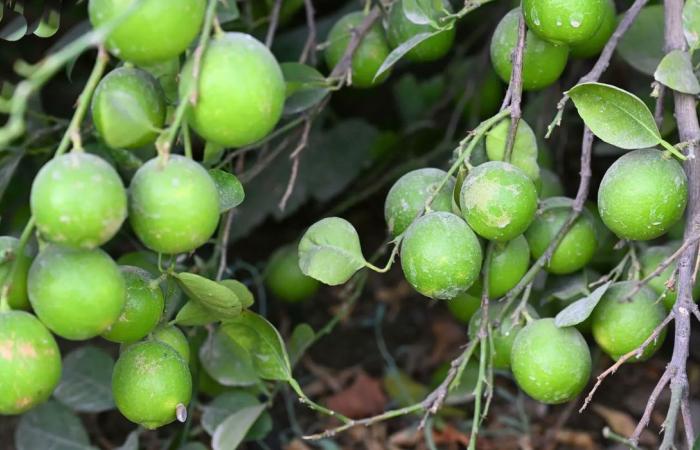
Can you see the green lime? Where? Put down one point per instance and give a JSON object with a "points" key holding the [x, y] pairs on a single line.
{"points": [[594, 45], [284, 278], [621, 324], [487, 97], [128, 108], [30, 362], [552, 365], [143, 308], [524, 154], [407, 197], [509, 262], [400, 29], [143, 259], [174, 337], [466, 303], [564, 22], [17, 295], [440, 255], [642, 195], [650, 259], [498, 200], [77, 294], [551, 184], [240, 92], [173, 205], [503, 334], [155, 30], [78, 200], [149, 381], [368, 57], [576, 248], [543, 62]]}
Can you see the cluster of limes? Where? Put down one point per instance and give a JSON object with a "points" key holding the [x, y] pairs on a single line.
{"points": [[79, 202]]}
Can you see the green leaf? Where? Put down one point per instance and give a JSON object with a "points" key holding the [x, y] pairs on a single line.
{"points": [[330, 251], [642, 46], [231, 192], [691, 22], [9, 160], [676, 72], [210, 294], [405, 47], [212, 153], [194, 445], [86, 381], [264, 344], [579, 310], [226, 361], [245, 297], [233, 430], [227, 11], [194, 314], [424, 12], [302, 337], [51, 426], [229, 403], [306, 87], [616, 116]]}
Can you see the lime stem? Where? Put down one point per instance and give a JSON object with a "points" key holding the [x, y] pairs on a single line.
{"points": [[389, 263], [673, 150]]}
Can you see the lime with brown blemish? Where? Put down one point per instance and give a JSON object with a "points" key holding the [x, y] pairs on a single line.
{"points": [[142, 310], [149, 382], [76, 293], [173, 204], [498, 201], [30, 362], [440, 255], [78, 200], [408, 197]]}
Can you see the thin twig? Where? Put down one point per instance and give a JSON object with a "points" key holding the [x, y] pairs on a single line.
{"points": [[223, 255], [303, 142], [659, 108], [309, 51], [342, 69], [274, 20], [646, 416], [516, 87]]}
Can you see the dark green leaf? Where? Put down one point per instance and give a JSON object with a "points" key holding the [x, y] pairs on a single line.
{"points": [[231, 432], [194, 314], [86, 381], [229, 403], [330, 251], [302, 337], [226, 361], [306, 87], [51, 426], [9, 160], [579, 310], [227, 11], [212, 295], [245, 297], [264, 344], [642, 46], [691, 22], [212, 153], [616, 116], [231, 192], [676, 72]]}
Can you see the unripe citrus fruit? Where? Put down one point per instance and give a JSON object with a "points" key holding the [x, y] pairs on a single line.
{"points": [[509, 262], [576, 248], [503, 334], [543, 62], [156, 30], [30, 362], [606, 256], [622, 324], [642, 194], [551, 184], [368, 57], [465, 304], [240, 91], [408, 195], [498, 200], [17, 295], [650, 259], [284, 278], [149, 381], [440, 255], [76, 293], [524, 154], [564, 22], [173, 206], [487, 98], [78, 200], [552, 365], [595, 44], [143, 308], [400, 29], [174, 337], [128, 108], [143, 259]]}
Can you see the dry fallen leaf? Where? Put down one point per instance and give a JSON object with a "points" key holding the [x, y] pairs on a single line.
{"points": [[297, 444], [363, 398], [622, 423], [576, 439]]}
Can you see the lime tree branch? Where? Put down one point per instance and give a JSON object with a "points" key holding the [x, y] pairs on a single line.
{"points": [[342, 69], [43, 71], [515, 88], [604, 59]]}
